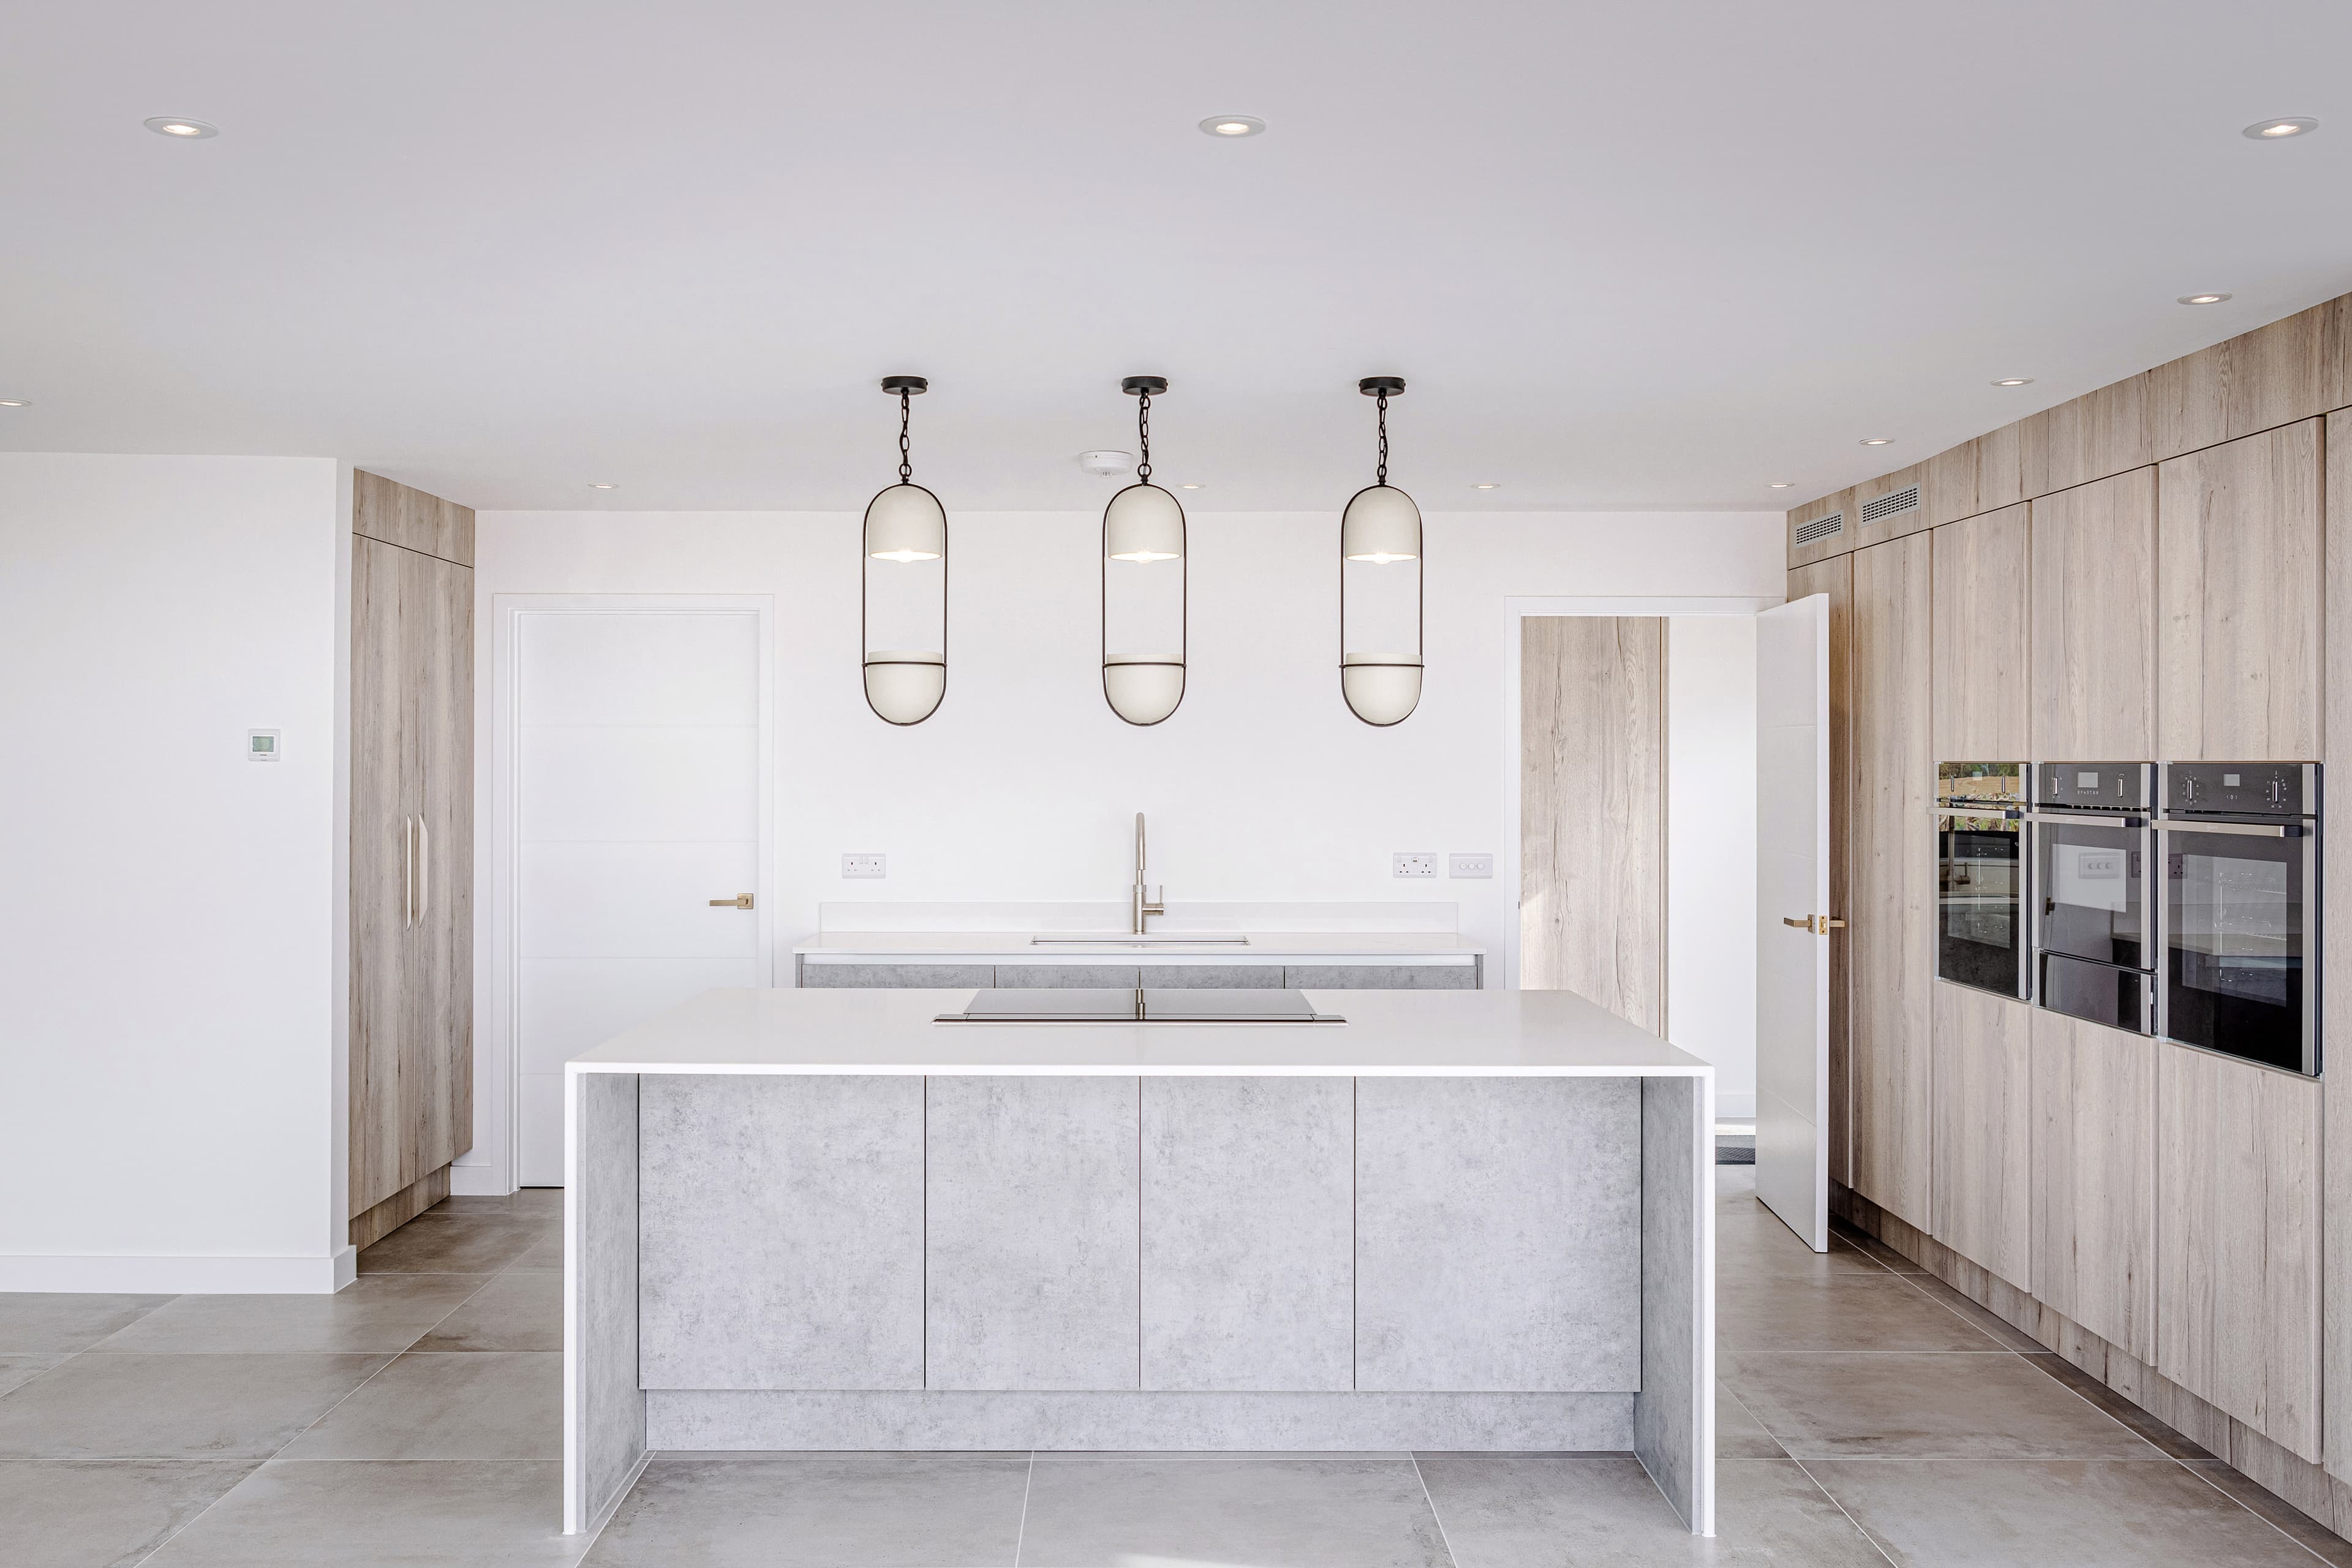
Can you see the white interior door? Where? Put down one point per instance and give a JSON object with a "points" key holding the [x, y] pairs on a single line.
{"points": [[639, 749], [1792, 884]]}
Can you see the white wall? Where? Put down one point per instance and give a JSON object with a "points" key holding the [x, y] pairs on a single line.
{"points": [[1023, 786], [1711, 850], [172, 930]]}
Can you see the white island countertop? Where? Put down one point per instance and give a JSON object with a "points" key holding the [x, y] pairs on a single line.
{"points": [[1403, 1034], [998, 945]]}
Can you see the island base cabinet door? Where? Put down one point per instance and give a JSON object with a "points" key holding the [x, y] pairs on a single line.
{"points": [[2093, 1197], [1498, 1234], [2237, 1319], [1248, 1228], [782, 1232], [1032, 1234]]}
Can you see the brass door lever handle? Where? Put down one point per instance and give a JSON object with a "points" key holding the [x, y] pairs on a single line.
{"points": [[739, 901], [1819, 925]]}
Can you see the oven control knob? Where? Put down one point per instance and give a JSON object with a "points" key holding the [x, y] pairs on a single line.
{"points": [[2278, 789]]}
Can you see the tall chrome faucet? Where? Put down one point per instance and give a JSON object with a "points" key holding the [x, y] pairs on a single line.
{"points": [[1144, 902]]}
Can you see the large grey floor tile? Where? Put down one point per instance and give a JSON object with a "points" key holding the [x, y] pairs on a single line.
{"points": [[16, 1371], [818, 1513], [546, 1252], [380, 1515], [1737, 1434], [496, 1404], [2281, 1515], [1308, 1514], [456, 1244], [376, 1312], [1842, 1312], [94, 1514], [2008, 1334], [520, 1310], [1925, 1407], [2174, 1442], [2111, 1514], [1875, 1248], [175, 1407], [40, 1322], [1749, 1247], [1571, 1514], [523, 1202]]}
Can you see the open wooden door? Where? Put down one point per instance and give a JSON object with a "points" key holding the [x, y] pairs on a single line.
{"points": [[1794, 918]]}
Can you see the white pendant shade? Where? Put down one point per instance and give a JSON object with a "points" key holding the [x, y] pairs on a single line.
{"points": [[1143, 523], [1381, 525], [906, 522], [1143, 688], [905, 685], [1381, 689]]}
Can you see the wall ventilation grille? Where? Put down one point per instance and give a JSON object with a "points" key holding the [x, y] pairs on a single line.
{"points": [[1887, 506], [1820, 528]]}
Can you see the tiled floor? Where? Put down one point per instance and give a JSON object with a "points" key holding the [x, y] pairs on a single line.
{"points": [[1868, 1414]]}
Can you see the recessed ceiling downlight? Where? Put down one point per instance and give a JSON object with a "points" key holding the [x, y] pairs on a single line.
{"points": [[180, 128], [14, 403], [1231, 127], [2014, 381], [601, 485], [1782, 484], [2279, 130], [2201, 298], [1487, 485], [1878, 440]]}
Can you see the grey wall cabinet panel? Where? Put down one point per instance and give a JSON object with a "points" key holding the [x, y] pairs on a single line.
{"points": [[2237, 1317], [1032, 1233], [1214, 977], [1069, 976], [782, 1220], [1248, 1227], [1498, 1234], [906, 977], [1382, 978]]}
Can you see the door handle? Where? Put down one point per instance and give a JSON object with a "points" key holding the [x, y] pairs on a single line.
{"points": [[423, 870], [408, 872], [1819, 925], [739, 901]]}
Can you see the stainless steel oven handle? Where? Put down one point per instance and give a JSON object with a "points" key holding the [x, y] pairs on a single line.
{"points": [[2089, 818], [2248, 829]]}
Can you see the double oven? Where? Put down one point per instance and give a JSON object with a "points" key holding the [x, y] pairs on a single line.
{"points": [[2179, 901]]}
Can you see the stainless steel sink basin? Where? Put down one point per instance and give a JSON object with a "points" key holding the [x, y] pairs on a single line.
{"points": [[1148, 938]]}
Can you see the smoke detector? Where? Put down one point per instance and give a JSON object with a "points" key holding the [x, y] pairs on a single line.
{"points": [[1106, 465]]}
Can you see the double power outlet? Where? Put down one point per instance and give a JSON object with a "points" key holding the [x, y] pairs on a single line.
{"points": [[1416, 864]]}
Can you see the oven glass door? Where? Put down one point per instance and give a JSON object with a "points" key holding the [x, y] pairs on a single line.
{"points": [[2091, 879], [2234, 938], [1979, 913]]}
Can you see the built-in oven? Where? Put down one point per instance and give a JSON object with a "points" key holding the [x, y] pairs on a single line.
{"points": [[2094, 929], [1981, 878], [2239, 842]]}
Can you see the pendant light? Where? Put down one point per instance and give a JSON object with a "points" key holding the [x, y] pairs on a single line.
{"points": [[1379, 532], [1142, 535], [904, 526]]}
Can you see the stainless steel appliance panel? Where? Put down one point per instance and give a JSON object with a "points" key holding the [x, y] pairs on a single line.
{"points": [[1982, 875], [2239, 845]]}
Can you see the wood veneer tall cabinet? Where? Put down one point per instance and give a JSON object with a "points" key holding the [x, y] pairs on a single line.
{"points": [[1891, 875], [411, 1048], [2094, 671]]}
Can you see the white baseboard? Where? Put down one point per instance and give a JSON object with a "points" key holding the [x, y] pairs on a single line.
{"points": [[479, 1181], [171, 1276]]}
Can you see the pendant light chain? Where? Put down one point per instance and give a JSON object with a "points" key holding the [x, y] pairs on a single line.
{"points": [[906, 467], [1143, 435], [1384, 439]]}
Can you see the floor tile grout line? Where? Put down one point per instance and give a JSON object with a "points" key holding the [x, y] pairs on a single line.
{"points": [[2200, 1474], [200, 1513], [1435, 1517], [1841, 1507], [2060, 1360], [1021, 1532]]}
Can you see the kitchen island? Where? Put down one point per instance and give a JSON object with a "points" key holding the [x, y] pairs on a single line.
{"points": [[822, 1219]]}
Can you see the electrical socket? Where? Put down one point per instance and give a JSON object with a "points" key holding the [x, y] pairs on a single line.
{"points": [[1469, 864], [865, 866], [1415, 864]]}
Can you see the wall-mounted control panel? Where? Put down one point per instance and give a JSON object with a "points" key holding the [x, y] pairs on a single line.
{"points": [[261, 745], [870, 867], [1459, 866]]}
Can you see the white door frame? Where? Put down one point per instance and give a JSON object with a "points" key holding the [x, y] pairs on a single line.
{"points": [[1516, 610], [498, 957]]}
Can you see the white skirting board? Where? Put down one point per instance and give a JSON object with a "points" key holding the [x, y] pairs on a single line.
{"points": [[177, 1276]]}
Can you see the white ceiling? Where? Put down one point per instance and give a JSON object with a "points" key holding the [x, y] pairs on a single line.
{"points": [[1627, 256]]}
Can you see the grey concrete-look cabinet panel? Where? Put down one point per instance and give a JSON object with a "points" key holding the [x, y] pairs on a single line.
{"points": [[1248, 1228], [1068, 976], [1498, 1240], [1214, 977], [1382, 976], [783, 1232], [1032, 1233], [905, 976]]}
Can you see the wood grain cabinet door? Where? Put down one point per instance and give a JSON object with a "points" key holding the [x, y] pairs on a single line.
{"points": [[2094, 670], [2093, 1196], [1892, 870], [440, 1110], [2239, 641], [383, 988], [1983, 639], [2237, 1316], [1984, 1130]]}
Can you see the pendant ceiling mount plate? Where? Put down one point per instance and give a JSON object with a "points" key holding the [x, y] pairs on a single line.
{"points": [[1381, 386], [1144, 385], [913, 384]]}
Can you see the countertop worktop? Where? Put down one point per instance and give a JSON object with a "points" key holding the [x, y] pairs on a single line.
{"points": [[1262, 946], [1406, 1033]]}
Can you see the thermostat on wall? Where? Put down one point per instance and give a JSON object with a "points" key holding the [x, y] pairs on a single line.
{"points": [[261, 745]]}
